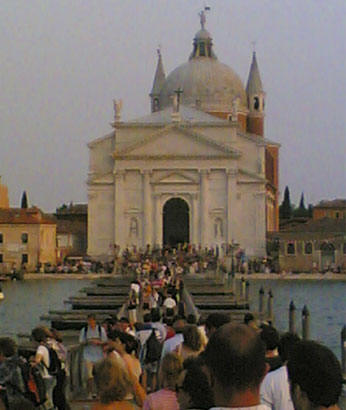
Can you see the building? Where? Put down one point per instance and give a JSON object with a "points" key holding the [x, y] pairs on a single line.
{"points": [[4, 202], [330, 209], [318, 245], [27, 236], [198, 169], [71, 230]]}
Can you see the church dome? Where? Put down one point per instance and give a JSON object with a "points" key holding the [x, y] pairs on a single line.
{"points": [[206, 83]]}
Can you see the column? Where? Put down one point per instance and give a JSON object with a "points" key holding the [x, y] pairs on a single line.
{"points": [[195, 219], [158, 221], [232, 213], [147, 213], [204, 207], [119, 207]]}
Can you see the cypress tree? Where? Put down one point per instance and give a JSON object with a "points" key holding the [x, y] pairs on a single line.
{"points": [[301, 203], [285, 209], [24, 202]]}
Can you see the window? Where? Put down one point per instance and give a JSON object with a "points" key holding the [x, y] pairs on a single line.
{"points": [[25, 237], [202, 50], [308, 248], [256, 103], [337, 215], [1, 238], [25, 258], [1, 258], [291, 249]]}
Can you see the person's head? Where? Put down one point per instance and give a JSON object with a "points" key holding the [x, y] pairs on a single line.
{"points": [[170, 368], [8, 347], [112, 380], [155, 315], [192, 338], [123, 342], [91, 320], [214, 321], [39, 334], [250, 320], [315, 376], [56, 335], [235, 357], [147, 317], [270, 337], [191, 319], [193, 389], [287, 341], [179, 325]]}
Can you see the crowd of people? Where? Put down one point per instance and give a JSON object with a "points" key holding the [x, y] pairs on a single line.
{"points": [[159, 357]]}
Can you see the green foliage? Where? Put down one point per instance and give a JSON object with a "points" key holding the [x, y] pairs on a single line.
{"points": [[285, 209]]}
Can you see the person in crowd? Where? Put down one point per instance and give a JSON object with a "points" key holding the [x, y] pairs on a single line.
{"points": [[275, 391], [315, 377], [214, 321], [92, 337], [250, 320], [114, 386], [271, 339], [235, 358], [193, 388], [192, 343], [12, 386], [42, 359], [166, 398], [170, 305], [171, 344], [156, 323]]}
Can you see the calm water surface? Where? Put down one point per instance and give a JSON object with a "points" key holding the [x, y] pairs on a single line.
{"points": [[26, 301]]}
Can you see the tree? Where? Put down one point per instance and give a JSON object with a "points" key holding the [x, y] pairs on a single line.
{"points": [[301, 211], [24, 202], [285, 209], [301, 203]]}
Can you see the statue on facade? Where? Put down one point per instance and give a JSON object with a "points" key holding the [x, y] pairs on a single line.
{"points": [[117, 106]]}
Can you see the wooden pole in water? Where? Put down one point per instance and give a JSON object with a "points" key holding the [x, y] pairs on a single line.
{"points": [[247, 291], [261, 300], [234, 284], [270, 306], [292, 318], [343, 350], [306, 323]]}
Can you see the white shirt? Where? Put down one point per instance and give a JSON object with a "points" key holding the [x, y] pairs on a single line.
{"points": [[170, 344], [275, 390], [43, 351], [169, 303]]}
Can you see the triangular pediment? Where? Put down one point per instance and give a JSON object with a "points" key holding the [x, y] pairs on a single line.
{"points": [[176, 142], [175, 178]]}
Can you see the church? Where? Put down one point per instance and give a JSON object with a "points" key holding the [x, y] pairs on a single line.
{"points": [[197, 170]]}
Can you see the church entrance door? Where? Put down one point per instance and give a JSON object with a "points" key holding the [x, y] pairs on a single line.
{"points": [[175, 222]]}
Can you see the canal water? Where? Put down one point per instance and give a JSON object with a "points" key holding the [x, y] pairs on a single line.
{"points": [[26, 301]]}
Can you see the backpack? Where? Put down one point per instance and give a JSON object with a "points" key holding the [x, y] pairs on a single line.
{"points": [[85, 329], [54, 362], [35, 388], [153, 349]]}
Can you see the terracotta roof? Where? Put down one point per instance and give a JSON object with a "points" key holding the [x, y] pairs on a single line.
{"points": [[25, 216], [320, 225], [335, 203]]}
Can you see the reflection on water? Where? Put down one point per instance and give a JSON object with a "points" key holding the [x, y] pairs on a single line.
{"points": [[26, 301]]}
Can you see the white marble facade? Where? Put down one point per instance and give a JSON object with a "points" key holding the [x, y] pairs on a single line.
{"points": [[205, 161]]}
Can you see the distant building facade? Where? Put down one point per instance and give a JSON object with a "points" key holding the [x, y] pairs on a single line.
{"points": [[318, 245], [4, 202], [198, 169], [335, 209], [27, 236], [72, 228]]}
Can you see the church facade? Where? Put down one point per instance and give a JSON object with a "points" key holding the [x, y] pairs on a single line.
{"points": [[196, 170]]}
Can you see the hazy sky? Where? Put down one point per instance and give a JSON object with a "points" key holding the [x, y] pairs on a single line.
{"points": [[63, 61]]}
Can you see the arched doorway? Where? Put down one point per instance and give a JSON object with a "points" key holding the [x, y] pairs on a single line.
{"points": [[327, 255], [175, 222]]}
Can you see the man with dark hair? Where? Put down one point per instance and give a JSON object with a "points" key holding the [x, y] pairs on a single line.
{"points": [[271, 339], [315, 377], [214, 321], [235, 357]]}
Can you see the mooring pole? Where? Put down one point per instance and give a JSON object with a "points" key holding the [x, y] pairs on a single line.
{"points": [[261, 300], [234, 284], [343, 350], [292, 318], [247, 291], [305, 323], [243, 288], [270, 305]]}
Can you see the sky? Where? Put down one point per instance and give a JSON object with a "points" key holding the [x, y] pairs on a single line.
{"points": [[62, 62]]}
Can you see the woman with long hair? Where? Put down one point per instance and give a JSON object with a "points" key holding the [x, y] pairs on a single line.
{"points": [[166, 398]]}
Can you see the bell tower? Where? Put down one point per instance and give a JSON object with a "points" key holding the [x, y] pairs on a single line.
{"points": [[159, 80], [255, 100]]}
